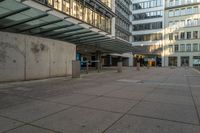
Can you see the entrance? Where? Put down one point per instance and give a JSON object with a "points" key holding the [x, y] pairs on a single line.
{"points": [[185, 61], [172, 61]]}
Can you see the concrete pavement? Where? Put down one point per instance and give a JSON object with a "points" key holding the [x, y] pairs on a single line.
{"points": [[155, 100]]}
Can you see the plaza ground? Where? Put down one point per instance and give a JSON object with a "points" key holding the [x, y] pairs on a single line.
{"points": [[155, 100]]}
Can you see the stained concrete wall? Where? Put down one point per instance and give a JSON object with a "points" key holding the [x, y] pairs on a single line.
{"points": [[24, 57]]}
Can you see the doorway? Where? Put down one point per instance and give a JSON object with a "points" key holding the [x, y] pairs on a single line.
{"points": [[185, 61], [172, 61]]}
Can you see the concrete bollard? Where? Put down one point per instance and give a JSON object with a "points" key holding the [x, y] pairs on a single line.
{"points": [[75, 69], [138, 66], [119, 67]]}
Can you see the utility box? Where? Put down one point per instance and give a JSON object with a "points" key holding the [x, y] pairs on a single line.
{"points": [[76, 69]]}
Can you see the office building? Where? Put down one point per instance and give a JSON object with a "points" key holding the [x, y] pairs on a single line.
{"points": [[182, 33], [148, 25]]}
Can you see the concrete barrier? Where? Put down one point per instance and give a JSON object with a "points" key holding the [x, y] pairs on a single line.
{"points": [[119, 67], [75, 69]]}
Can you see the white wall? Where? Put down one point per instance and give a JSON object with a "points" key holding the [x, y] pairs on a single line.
{"points": [[24, 57]]}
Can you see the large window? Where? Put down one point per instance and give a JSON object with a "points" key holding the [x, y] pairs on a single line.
{"points": [[188, 47], [195, 47], [148, 15], [189, 36], [147, 4], [171, 13], [195, 34], [83, 12], [148, 37], [66, 7], [176, 48], [147, 26], [107, 2], [182, 47]]}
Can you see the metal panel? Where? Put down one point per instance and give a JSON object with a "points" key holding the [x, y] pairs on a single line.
{"points": [[24, 21], [79, 33], [51, 29], [82, 36], [14, 12], [39, 25], [63, 32], [95, 40]]}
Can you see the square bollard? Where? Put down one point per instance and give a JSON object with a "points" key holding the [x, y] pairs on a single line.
{"points": [[119, 67], [75, 69], [138, 66]]}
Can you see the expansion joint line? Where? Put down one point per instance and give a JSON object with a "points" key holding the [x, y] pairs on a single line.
{"points": [[195, 105]]}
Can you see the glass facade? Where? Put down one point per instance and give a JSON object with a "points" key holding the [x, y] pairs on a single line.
{"points": [[83, 12], [122, 9], [148, 15], [107, 2], [147, 26], [148, 37], [147, 4]]}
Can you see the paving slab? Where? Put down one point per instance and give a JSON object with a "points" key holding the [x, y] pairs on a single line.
{"points": [[7, 124], [111, 104], [126, 94], [169, 99], [71, 99], [7, 100], [174, 112], [30, 129], [133, 124], [95, 91], [79, 120], [32, 111]]}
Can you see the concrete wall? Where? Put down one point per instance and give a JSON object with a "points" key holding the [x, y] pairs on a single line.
{"points": [[25, 57]]}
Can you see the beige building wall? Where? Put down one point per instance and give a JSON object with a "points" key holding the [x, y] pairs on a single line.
{"points": [[175, 25], [24, 57]]}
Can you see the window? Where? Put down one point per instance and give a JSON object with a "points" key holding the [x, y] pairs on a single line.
{"points": [[171, 13], [182, 47], [58, 4], [66, 8], [189, 35], [195, 22], [195, 9], [170, 48], [176, 36], [177, 12], [189, 10], [195, 47], [176, 2], [188, 47], [176, 48], [171, 2], [171, 36], [195, 34], [182, 23], [183, 11], [182, 35], [189, 22]]}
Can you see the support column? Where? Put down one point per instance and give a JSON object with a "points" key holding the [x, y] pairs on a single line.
{"points": [[75, 69]]}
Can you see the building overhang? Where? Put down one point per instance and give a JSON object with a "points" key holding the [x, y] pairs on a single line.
{"points": [[31, 18]]}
